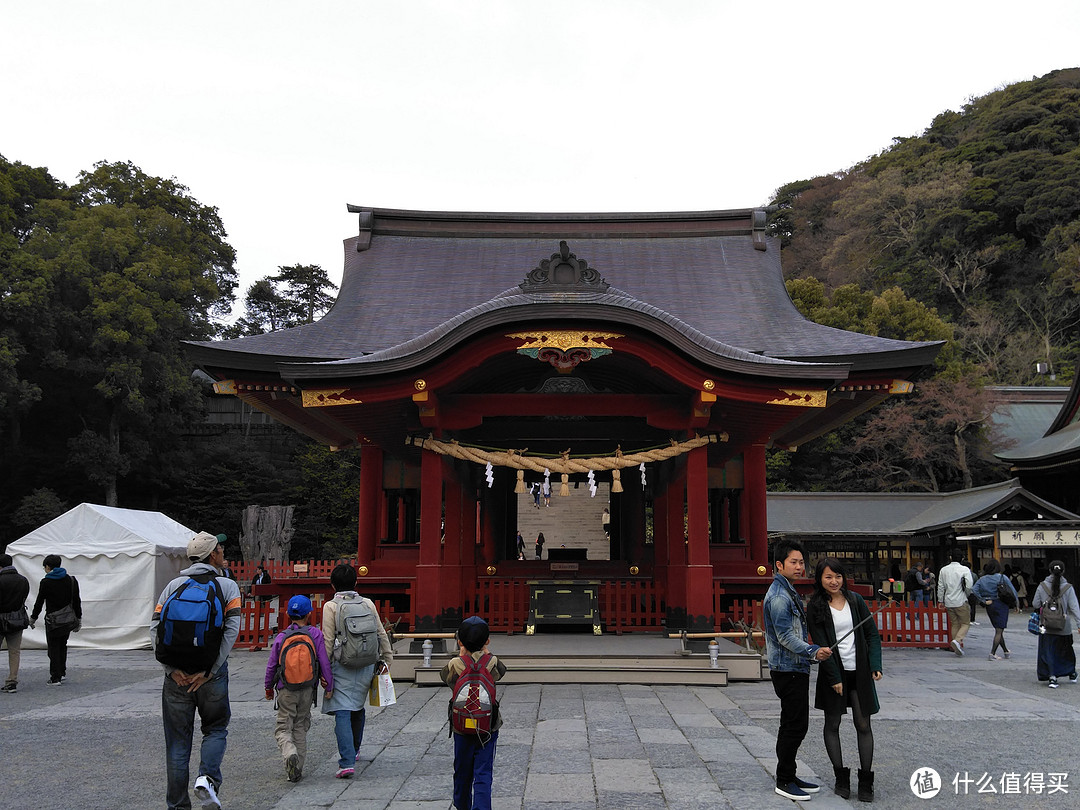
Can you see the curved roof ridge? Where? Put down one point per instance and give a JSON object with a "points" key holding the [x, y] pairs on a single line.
{"points": [[611, 298]]}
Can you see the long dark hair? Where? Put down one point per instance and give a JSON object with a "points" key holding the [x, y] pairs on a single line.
{"points": [[820, 598], [1057, 568]]}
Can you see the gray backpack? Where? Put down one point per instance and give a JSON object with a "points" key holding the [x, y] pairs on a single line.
{"points": [[356, 642], [1053, 614]]}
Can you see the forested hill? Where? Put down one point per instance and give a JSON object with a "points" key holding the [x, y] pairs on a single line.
{"points": [[978, 218]]}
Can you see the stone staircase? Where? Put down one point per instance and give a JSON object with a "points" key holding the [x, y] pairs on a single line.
{"points": [[574, 521]]}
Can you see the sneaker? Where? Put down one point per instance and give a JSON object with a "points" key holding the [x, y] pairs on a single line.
{"points": [[1072, 679], [11, 687], [344, 773], [1008, 654], [1053, 683], [292, 768], [956, 646], [790, 790], [974, 624], [995, 657], [55, 681], [808, 787], [207, 793]]}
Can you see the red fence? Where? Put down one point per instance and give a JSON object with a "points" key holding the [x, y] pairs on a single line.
{"points": [[900, 625], [631, 606], [244, 570], [260, 621]]}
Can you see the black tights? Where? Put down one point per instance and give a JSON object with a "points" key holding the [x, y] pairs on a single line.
{"points": [[999, 640], [862, 731]]}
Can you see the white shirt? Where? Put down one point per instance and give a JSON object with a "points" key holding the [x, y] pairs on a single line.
{"points": [[842, 624], [950, 590]]}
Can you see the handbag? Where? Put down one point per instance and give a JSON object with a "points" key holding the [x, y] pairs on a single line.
{"points": [[64, 618], [973, 600], [15, 620], [1004, 592], [1033, 623]]}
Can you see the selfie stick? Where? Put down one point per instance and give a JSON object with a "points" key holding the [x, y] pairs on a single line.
{"points": [[868, 618]]}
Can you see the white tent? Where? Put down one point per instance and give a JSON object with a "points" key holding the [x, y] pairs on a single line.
{"points": [[122, 558]]}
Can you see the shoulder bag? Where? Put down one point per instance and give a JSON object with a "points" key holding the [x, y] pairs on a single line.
{"points": [[64, 618], [1005, 593]]}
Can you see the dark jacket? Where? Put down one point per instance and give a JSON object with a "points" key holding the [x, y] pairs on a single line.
{"points": [[14, 590], [867, 656], [56, 590]]}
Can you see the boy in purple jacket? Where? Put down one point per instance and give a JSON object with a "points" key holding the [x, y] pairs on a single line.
{"points": [[294, 704]]}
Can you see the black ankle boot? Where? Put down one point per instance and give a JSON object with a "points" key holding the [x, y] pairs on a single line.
{"points": [[843, 782], [866, 785]]}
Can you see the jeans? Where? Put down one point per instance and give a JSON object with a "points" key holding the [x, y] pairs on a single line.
{"points": [[473, 764], [13, 640], [793, 689], [56, 641], [178, 707], [349, 730]]}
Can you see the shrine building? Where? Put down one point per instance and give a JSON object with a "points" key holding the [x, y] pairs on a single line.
{"points": [[649, 359]]}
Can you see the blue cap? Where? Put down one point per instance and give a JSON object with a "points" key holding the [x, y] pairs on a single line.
{"points": [[473, 633], [299, 606]]}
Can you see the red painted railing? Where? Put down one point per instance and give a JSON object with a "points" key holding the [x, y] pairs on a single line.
{"points": [[900, 625], [261, 621], [636, 605], [504, 603]]}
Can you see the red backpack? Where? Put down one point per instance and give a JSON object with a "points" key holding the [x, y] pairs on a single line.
{"points": [[473, 707]]}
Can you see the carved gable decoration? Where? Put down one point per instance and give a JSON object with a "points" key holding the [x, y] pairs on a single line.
{"points": [[563, 272]]}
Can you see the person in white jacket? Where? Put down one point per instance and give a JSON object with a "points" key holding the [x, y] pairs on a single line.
{"points": [[955, 581]]}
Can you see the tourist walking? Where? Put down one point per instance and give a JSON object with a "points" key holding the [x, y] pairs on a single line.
{"points": [[14, 591], [59, 593], [789, 664], [954, 584], [195, 624], [539, 545], [997, 610], [846, 679], [1057, 658], [355, 659]]}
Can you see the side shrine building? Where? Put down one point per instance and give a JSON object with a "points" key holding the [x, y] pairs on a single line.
{"points": [[472, 356]]}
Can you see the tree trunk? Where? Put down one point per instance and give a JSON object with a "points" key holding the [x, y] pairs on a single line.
{"points": [[266, 532], [111, 498]]}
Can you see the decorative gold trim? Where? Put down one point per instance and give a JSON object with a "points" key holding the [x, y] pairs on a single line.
{"points": [[801, 398], [901, 387], [420, 385], [708, 385], [561, 339], [491, 570], [225, 387], [362, 570], [634, 570], [325, 397], [762, 570]]}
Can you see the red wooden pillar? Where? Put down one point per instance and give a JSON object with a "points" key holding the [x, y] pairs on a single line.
{"points": [[699, 572], [371, 493], [676, 541], [451, 582], [756, 506], [427, 606], [660, 541]]}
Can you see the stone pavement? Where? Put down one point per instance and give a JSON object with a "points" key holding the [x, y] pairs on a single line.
{"points": [[95, 741]]}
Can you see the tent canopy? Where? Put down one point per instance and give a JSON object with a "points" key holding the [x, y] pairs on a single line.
{"points": [[122, 558]]}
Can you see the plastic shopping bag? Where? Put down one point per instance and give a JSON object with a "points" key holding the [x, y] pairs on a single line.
{"points": [[381, 692]]}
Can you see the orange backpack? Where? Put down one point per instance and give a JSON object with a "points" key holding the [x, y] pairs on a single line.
{"points": [[298, 665]]}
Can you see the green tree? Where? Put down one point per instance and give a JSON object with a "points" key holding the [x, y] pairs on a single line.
{"points": [[307, 288], [126, 267]]}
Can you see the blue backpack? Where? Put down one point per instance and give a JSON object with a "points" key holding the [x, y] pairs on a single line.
{"points": [[191, 625]]}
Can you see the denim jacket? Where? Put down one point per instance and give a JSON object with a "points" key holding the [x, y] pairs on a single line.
{"points": [[785, 628]]}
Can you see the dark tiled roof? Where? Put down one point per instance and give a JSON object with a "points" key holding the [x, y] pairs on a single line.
{"points": [[1063, 443], [717, 285], [866, 513]]}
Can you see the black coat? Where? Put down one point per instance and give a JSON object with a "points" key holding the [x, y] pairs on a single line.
{"points": [[14, 590], [867, 656]]}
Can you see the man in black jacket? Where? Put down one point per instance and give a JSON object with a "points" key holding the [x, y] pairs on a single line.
{"points": [[57, 592], [14, 591]]}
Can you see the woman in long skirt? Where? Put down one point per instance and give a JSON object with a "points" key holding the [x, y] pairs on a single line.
{"points": [[1057, 658]]}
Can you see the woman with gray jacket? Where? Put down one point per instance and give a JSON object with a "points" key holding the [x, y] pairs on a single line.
{"points": [[1056, 655]]}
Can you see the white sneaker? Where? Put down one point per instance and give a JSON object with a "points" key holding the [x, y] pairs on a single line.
{"points": [[956, 646], [1053, 683], [204, 789]]}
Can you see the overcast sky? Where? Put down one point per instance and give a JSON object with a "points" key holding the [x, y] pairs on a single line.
{"points": [[281, 113]]}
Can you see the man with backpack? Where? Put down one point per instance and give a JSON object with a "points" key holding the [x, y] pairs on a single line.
{"points": [[297, 664], [474, 714], [358, 648], [195, 624]]}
